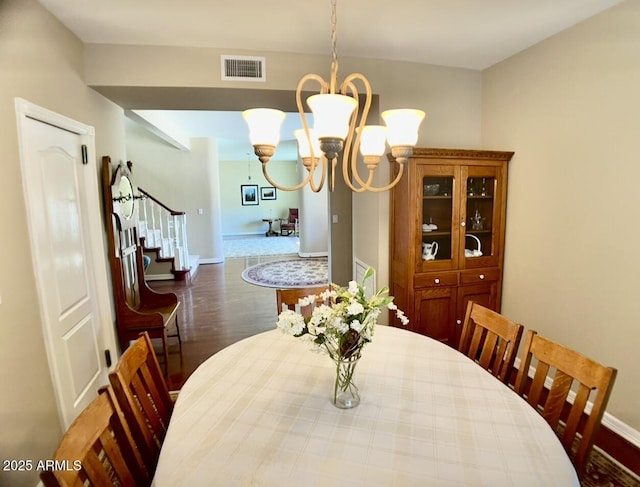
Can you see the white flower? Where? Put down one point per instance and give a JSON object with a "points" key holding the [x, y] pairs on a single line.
{"points": [[290, 322], [355, 308], [330, 321], [357, 326], [340, 325], [402, 317], [319, 317], [307, 300], [327, 295], [353, 288]]}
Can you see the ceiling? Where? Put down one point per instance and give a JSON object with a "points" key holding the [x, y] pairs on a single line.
{"points": [[461, 33], [469, 34]]}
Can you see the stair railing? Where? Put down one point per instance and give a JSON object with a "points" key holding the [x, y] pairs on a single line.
{"points": [[164, 229]]}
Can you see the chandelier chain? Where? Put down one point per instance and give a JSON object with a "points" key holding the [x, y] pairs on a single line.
{"points": [[340, 121], [334, 32], [334, 48]]}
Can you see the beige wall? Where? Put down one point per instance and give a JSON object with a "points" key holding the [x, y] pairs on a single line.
{"points": [[567, 107], [451, 97], [40, 61], [570, 109], [247, 220]]}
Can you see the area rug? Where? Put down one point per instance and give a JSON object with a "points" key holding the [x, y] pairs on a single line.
{"points": [[603, 471], [292, 273], [254, 246]]}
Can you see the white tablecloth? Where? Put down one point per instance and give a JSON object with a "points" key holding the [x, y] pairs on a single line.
{"points": [[259, 413]]}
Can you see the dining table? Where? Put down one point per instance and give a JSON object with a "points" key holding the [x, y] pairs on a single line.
{"points": [[260, 413]]}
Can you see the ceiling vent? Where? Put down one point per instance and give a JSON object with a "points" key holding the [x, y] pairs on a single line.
{"points": [[243, 68]]}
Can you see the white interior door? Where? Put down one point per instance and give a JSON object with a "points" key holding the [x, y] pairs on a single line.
{"points": [[57, 177]]}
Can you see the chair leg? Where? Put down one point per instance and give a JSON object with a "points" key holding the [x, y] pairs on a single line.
{"points": [[165, 349], [179, 340]]}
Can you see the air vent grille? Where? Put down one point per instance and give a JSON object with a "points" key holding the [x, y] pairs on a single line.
{"points": [[243, 68]]}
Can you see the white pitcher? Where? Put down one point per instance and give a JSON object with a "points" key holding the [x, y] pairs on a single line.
{"points": [[429, 250]]}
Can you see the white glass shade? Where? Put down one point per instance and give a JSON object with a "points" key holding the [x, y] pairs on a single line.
{"points": [[303, 143], [372, 140], [402, 126], [331, 114], [264, 125]]}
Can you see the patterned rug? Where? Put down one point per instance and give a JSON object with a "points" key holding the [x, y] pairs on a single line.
{"points": [[290, 273], [603, 471]]}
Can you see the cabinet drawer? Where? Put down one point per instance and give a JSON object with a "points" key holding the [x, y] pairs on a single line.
{"points": [[436, 279], [479, 275]]}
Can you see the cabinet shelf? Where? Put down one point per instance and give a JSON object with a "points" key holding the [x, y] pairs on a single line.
{"points": [[480, 197], [437, 197], [438, 233]]}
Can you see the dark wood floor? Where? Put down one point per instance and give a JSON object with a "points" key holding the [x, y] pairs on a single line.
{"points": [[218, 309]]}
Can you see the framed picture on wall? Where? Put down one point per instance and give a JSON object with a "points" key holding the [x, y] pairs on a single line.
{"points": [[249, 194], [267, 193]]}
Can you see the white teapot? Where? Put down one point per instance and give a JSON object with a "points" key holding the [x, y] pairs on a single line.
{"points": [[429, 250]]}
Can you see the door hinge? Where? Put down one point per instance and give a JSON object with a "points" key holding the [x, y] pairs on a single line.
{"points": [[107, 357], [85, 158]]}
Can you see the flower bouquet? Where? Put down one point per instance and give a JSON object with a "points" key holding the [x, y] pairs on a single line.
{"points": [[342, 322]]}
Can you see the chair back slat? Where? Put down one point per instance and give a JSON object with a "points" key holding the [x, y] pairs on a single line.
{"points": [[577, 381], [557, 398], [575, 415], [99, 448], [143, 395], [490, 339]]}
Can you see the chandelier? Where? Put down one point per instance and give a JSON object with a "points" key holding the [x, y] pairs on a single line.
{"points": [[339, 127]]}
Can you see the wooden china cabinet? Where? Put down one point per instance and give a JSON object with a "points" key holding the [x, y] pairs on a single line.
{"points": [[447, 237]]}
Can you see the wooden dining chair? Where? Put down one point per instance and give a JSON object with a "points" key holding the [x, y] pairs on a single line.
{"points": [[143, 396], [577, 429], [490, 339], [288, 299], [97, 449]]}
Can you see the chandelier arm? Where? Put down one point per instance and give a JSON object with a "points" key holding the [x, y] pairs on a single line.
{"points": [[367, 186], [323, 89], [391, 184], [281, 187], [323, 172], [349, 86]]}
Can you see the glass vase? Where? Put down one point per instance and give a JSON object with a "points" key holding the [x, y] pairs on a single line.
{"points": [[345, 392]]}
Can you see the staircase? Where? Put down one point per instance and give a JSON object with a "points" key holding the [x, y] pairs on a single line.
{"points": [[163, 236]]}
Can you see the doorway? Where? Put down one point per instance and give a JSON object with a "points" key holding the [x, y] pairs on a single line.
{"points": [[59, 178], [236, 99]]}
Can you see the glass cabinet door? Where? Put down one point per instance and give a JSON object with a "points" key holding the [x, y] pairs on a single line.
{"points": [[438, 244], [481, 219]]}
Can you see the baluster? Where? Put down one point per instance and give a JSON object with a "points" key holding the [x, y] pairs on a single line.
{"points": [[144, 226], [161, 232], [152, 233], [177, 251], [184, 243]]}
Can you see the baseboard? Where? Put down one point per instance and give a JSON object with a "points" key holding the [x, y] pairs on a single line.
{"points": [[159, 277], [623, 430], [241, 235], [212, 260], [313, 254]]}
